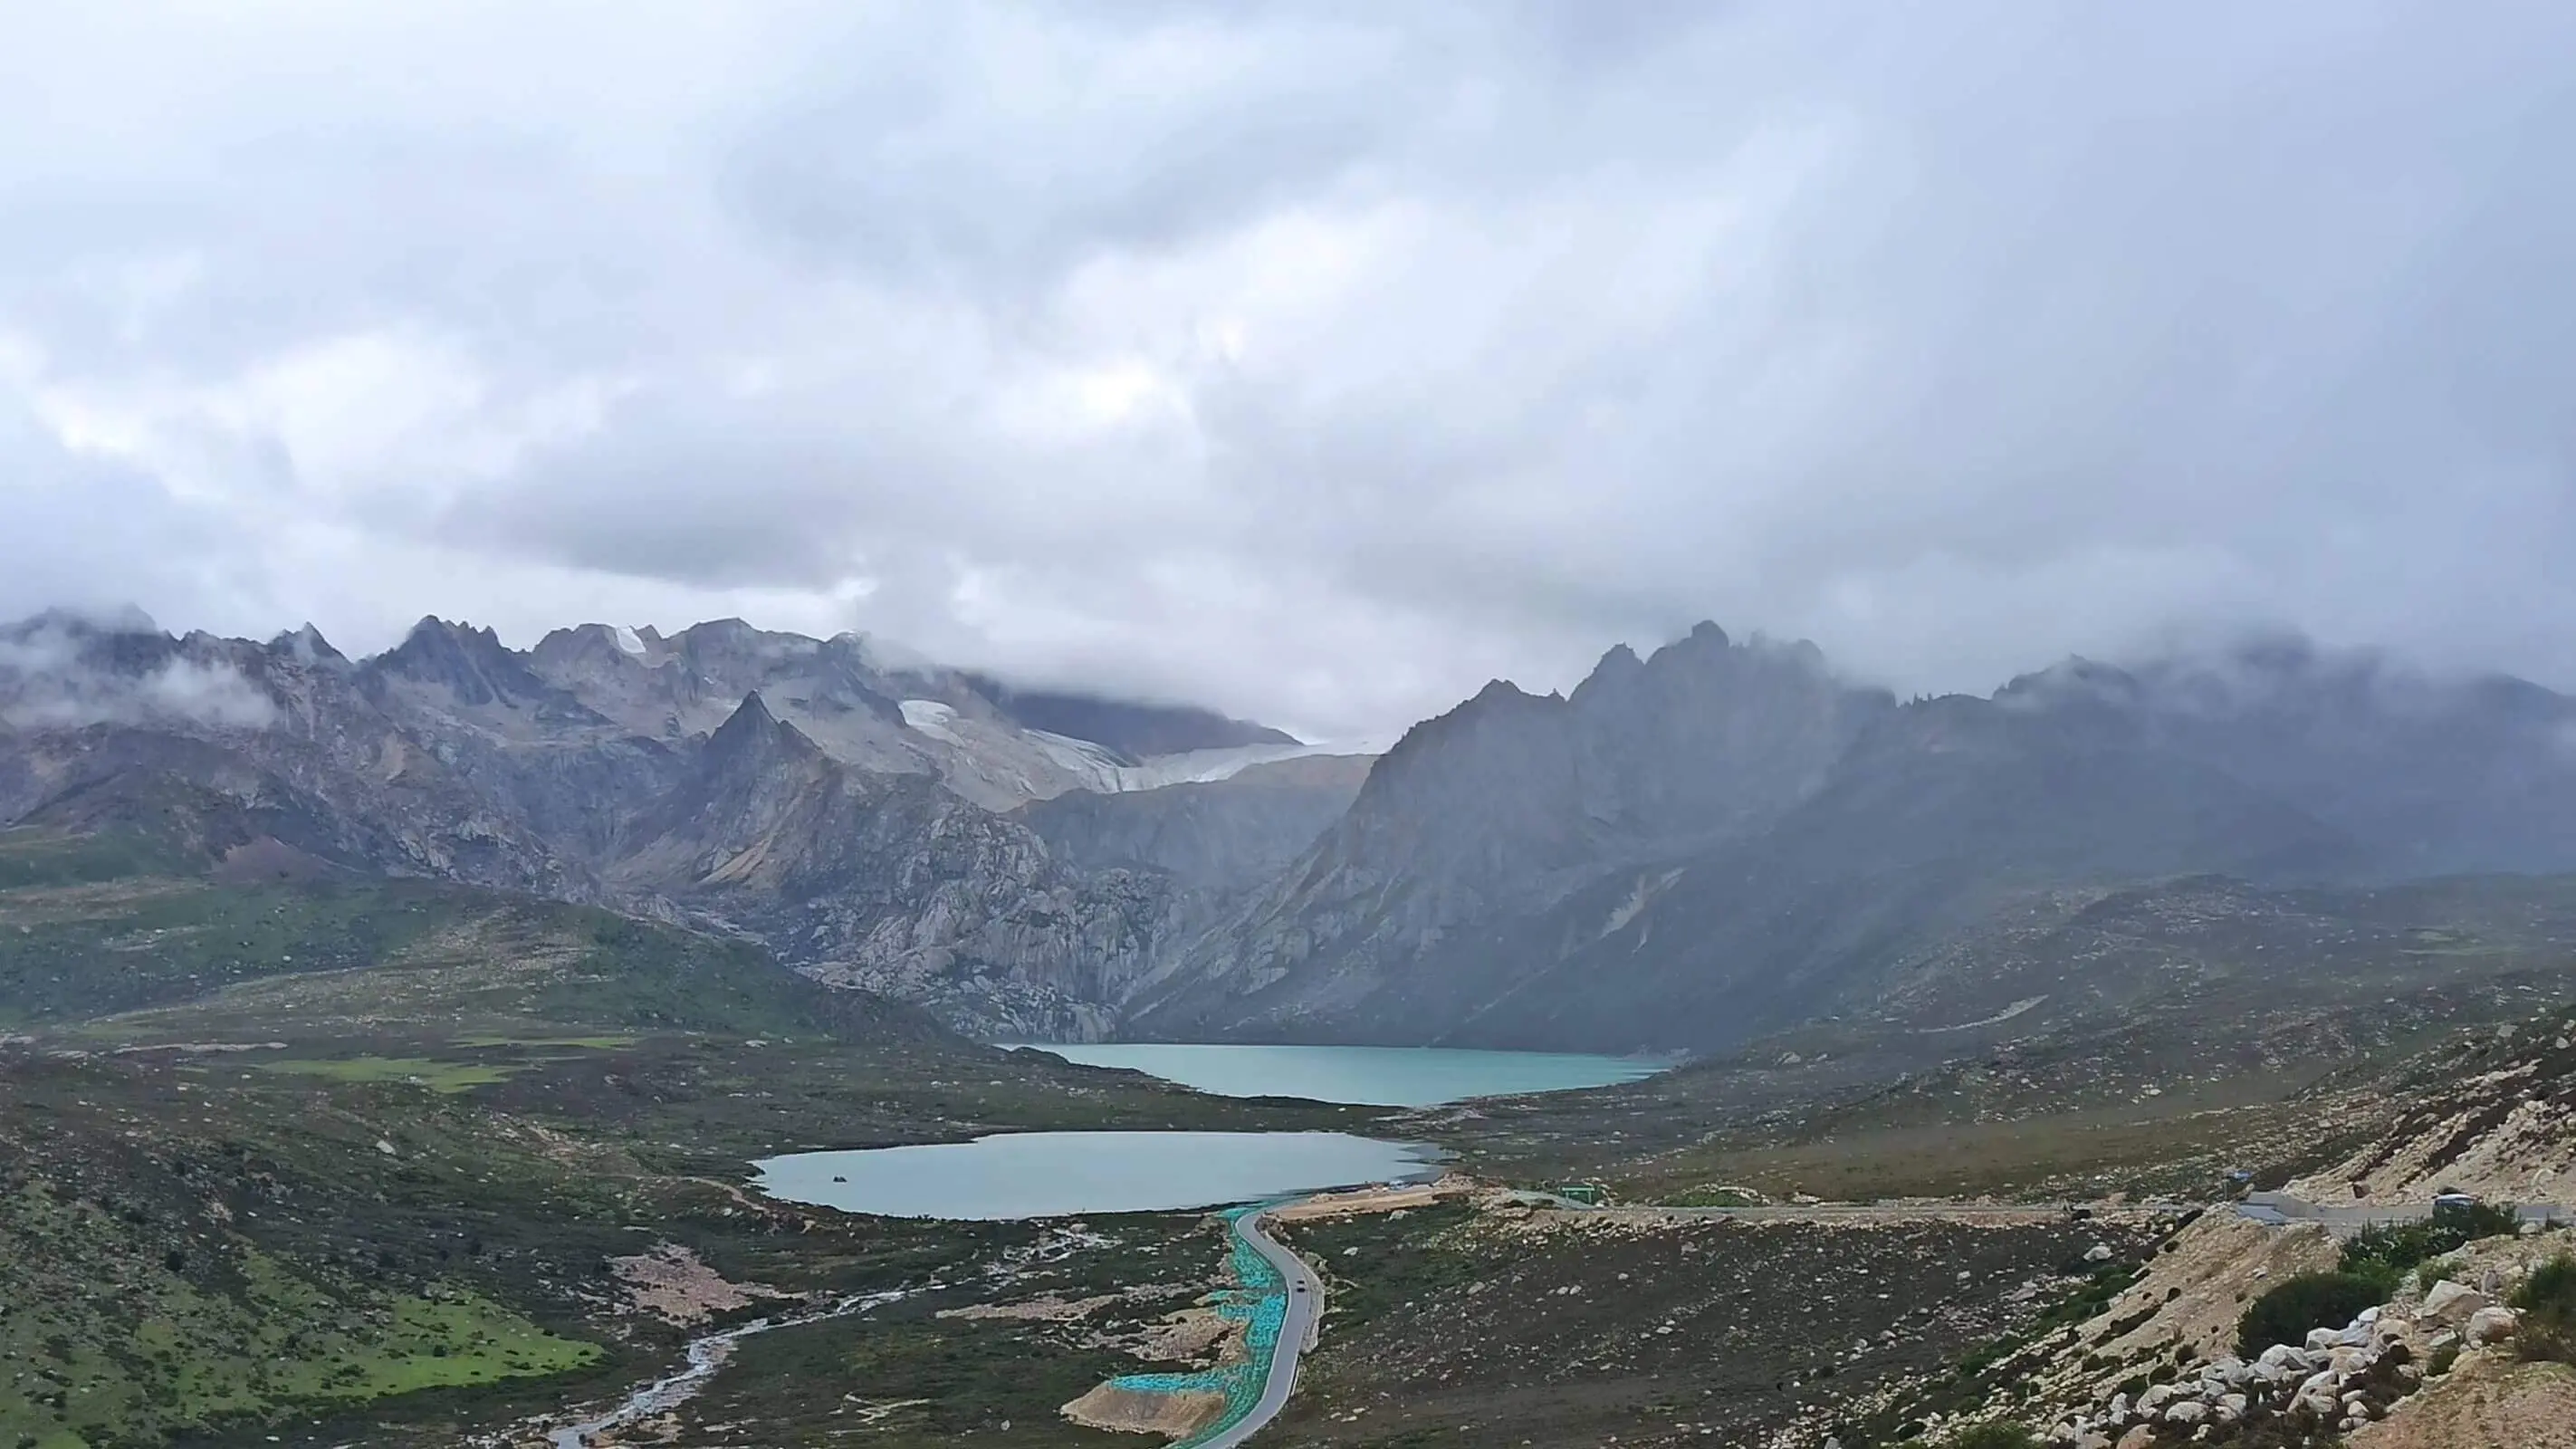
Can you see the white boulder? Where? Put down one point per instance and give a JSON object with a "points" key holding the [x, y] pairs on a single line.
{"points": [[2492, 1325], [2452, 1303]]}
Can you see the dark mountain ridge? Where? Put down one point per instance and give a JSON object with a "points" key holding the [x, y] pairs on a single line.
{"points": [[453, 757], [1711, 842], [1742, 843]]}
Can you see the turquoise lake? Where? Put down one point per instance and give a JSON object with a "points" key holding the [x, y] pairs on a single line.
{"points": [[1059, 1174], [1376, 1076]]}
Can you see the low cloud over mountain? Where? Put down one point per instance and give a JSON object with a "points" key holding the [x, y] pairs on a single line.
{"points": [[1314, 361], [61, 671]]}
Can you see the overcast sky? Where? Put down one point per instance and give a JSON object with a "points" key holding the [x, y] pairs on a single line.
{"points": [[1318, 361]]}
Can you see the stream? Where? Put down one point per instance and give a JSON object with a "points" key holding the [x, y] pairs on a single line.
{"points": [[707, 1352]]}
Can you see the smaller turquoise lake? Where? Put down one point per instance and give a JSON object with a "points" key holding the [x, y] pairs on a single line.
{"points": [[1060, 1174], [1372, 1076]]}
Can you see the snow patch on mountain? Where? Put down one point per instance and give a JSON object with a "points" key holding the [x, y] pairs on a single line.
{"points": [[932, 718], [1199, 767], [1093, 765], [628, 640]]}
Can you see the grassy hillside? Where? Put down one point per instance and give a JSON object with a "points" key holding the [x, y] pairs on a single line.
{"points": [[348, 1161]]}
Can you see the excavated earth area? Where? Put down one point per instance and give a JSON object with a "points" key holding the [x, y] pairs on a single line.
{"points": [[1173, 1415]]}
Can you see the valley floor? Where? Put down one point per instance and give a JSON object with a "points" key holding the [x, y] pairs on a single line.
{"points": [[496, 1181]]}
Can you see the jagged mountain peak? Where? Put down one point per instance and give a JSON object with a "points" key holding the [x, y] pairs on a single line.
{"points": [[1618, 659], [740, 636], [308, 645], [752, 738], [752, 714], [431, 628], [1499, 699], [473, 666], [599, 645]]}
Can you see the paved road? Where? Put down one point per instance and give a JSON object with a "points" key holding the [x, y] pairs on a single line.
{"points": [[2279, 1209], [2275, 1209], [1836, 1211], [1898, 1212], [1296, 1331]]}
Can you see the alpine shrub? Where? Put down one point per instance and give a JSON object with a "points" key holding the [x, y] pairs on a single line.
{"points": [[2388, 1251], [2547, 1302], [2295, 1305]]}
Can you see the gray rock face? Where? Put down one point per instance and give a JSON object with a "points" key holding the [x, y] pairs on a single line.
{"points": [[451, 756], [1723, 840], [1687, 850], [1511, 803], [892, 884], [334, 761], [880, 711]]}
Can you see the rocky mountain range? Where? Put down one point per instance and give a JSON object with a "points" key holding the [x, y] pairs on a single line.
{"points": [[1719, 840], [1724, 840], [851, 812]]}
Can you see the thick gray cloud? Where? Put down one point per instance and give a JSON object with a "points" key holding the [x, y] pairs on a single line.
{"points": [[1314, 360]]}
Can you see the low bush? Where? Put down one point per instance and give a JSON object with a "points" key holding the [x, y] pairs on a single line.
{"points": [[2293, 1306], [2547, 1303], [2388, 1252]]}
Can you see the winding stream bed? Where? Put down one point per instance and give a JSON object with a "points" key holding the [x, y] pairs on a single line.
{"points": [[707, 1352], [705, 1355]]}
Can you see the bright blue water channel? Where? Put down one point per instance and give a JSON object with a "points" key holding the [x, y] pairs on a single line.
{"points": [[1057, 1174], [1258, 1301], [1380, 1076]]}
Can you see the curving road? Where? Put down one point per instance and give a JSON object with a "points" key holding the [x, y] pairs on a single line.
{"points": [[1296, 1332], [2278, 1209], [2274, 1209], [1305, 1290]]}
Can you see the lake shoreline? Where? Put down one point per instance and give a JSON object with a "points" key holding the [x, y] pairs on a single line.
{"points": [[1019, 1176], [1394, 1078]]}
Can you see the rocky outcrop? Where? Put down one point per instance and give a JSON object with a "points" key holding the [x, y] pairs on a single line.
{"points": [[339, 762], [892, 884], [1690, 849], [2341, 1380], [1695, 848], [2493, 1113], [1723, 840], [2159, 1365], [1510, 803], [880, 710], [812, 792]]}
